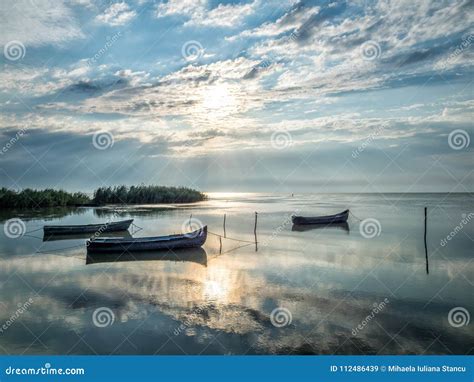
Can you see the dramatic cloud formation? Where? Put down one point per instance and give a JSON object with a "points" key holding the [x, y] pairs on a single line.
{"points": [[38, 22], [364, 93], [198, 12], [117, 14]]}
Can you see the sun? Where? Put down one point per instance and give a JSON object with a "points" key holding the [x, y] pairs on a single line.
{"points": [[219, 100]]}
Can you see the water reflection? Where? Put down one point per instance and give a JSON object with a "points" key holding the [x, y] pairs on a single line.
{"points": [[211, 303], [78, 236], [309, 227], [45, 214], [132, 211], [194, 255]]}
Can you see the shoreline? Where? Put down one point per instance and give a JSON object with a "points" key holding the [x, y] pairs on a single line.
{"points": [[102, 196]]}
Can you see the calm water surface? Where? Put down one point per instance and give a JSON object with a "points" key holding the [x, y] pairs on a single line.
{"points": [[322, 285]]}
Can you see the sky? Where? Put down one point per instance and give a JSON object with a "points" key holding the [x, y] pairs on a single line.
{"points": [[238, 96]]}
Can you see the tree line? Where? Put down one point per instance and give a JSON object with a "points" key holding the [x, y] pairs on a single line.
{"points": [[146, 195], [30, 198]]}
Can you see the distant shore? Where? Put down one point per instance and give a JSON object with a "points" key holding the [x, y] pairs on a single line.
{"points": [[120, 195]]}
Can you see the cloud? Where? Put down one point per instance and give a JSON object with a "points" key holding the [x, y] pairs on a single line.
{"points": [[117, 14], [326, 51], [290, 21], [303, 69], [38, 22], [227, 15], [185, 124], [177, 7], [199, 13], [28, 81]]}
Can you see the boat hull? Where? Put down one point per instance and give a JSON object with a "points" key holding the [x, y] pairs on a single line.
{"points": [[88, 228], [194, 239], [330, 219]]}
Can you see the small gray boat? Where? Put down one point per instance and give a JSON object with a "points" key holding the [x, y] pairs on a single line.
{"points": [[87, 228], [193, 239], [329, 219]]}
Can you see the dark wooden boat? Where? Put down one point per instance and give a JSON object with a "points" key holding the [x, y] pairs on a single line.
{"points": [[193, 239], [308, 227], [192, 255], [87, 228], [79, 236], [329, 219]]}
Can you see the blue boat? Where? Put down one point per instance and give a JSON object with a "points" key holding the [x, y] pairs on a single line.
{"points": [[193, 239]]}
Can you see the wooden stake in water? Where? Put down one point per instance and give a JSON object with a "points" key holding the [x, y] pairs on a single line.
{"points": [[220, 244], [255, 231], [426, 247], [224, 225], [255, 226]]}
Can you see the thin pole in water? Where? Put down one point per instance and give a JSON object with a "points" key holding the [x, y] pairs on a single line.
{"points": [[426, 247], [220, 244], [255, 232], [224, 225], [255, 226]]}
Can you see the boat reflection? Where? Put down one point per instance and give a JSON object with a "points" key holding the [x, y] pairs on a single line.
{"points": [[308, 227], [136, 211], [194, 255], [78, 236]]}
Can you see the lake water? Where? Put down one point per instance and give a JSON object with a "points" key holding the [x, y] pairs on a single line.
{"points": [[364, 288]]}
